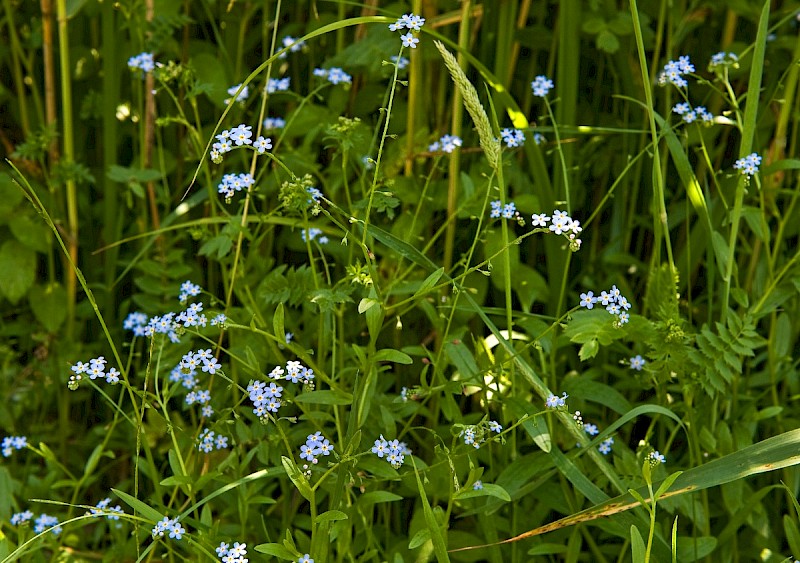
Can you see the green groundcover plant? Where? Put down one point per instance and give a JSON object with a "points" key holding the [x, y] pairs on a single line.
{"points": [[387, 281]]}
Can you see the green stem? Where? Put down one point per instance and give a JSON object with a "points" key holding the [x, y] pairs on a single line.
{"points": [[69, 157]]}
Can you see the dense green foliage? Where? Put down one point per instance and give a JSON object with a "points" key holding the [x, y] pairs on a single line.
{"points": [[398, 240]]}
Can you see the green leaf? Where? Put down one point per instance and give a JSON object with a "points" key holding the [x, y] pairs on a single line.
{"points": [[177, 480], [692, 549], [18, 267], [276, 550], [638, 550], [30, 231], [10, 196], [125, 175], [419, 538], [434, 528], [277, 323], [489, 489], [607, 41], [375, 497], [429, 282], [150, 513], [325, 397], [461, 356], [48, 305], [586, 326], [297, 478], [331, 516], [389, 355], [721, 251]]}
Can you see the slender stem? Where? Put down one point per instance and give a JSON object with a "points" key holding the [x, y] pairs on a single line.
{"points": [[69, 156], [454, 165]]}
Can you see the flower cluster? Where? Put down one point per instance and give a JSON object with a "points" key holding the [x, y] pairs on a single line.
{"points": [[475, 435], [142, 61], [412, 22], [654, 458], [239, 136], [21, 518], [274, 123], [208, 440], [690, 115], [555, 402], [447, 143], [172, 324], [401, 62], [541, 86], [512, 137], [748, 166], [45, 522], [189, 289], [674, 72], [316, 444], [605, 446], [637, 362], [723, 59], [335, 75], [243, 95], [277, 85], [235, 554], [293, 43], [314, 234], [168, 525], [560, 223], [104, 508], [42, 522], [613, 300], [507, 211], [265, 398], [96, 368], [294, 372], [232, 183], [11, 443], [393, 451]]}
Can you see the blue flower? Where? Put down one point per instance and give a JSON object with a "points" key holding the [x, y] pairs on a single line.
{"points": [[477, 485], [541, 86], [219, 320], [11, 443], [591, 429], [408, 21], [512, 137], [495, 426], [104, 508], [294, 45], [637, 362], [262, 144], [142, 61], [277, 85], [401, 62], [605, 446], [335, 75], [674, 71], [21, 518], [554, 401], [409, 40], [44, 521], [235, 554], [588, 299], [305, 559], [243, 95], [748, 166], [655, 458], [274, 123]]}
